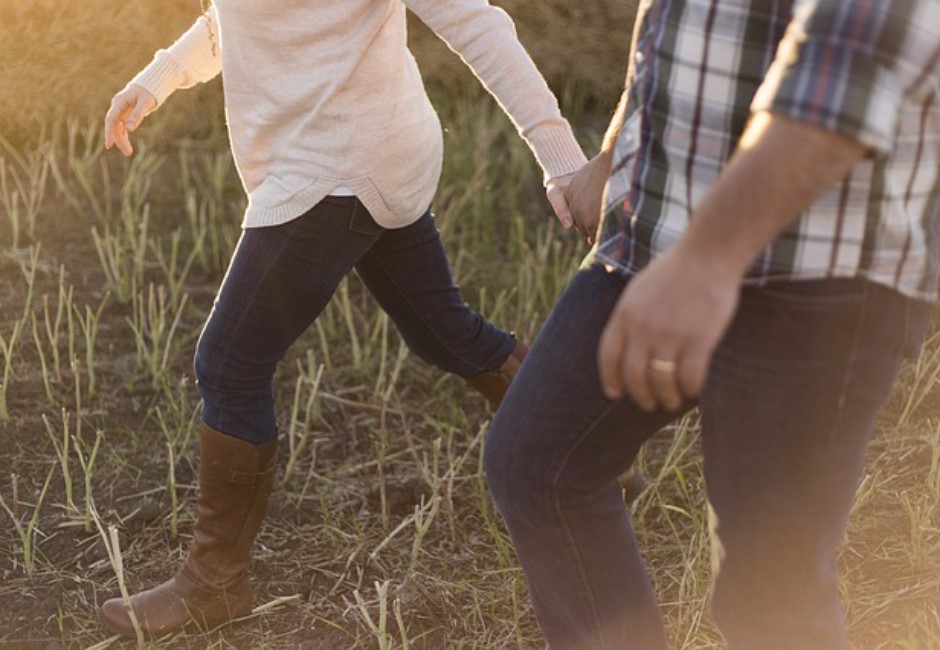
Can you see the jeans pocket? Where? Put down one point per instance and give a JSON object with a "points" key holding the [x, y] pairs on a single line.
{"points": [[812, 295], [796, 323], [361, 221]]}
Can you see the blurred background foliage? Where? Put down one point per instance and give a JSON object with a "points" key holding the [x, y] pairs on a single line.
{"points": [[66, 58]]}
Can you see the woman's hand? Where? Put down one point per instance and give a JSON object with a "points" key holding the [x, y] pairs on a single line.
{"points": [[556, 191], [128, 109]]}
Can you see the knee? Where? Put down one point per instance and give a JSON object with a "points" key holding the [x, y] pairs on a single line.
{"points": [[206, 362], [501, 465], [221, 372], [774, 586], [515, 477], [496, 465]]}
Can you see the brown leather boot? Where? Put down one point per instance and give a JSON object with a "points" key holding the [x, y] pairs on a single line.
{"points": [[632, 483], [212, 586], [493, 387]]}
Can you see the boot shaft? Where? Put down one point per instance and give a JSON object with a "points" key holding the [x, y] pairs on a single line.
{"points": [[493, 385], [235, 480]]}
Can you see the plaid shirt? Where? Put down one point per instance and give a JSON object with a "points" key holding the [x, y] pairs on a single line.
{"points": [[868, 69]]}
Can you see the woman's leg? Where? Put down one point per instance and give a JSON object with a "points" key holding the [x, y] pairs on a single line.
{"points": [[408, 273], [279, 280]]}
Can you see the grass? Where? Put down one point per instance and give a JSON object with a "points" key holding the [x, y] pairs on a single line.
{"points": [[381, 532]]}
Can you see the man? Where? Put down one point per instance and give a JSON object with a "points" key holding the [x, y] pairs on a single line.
{"points": [[767, 252]]}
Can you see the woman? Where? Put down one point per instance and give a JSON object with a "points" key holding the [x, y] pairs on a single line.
{"points": [[340, 152]]}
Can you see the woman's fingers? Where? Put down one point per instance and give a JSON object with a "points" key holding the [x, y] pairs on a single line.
{"points": [[556, 196], [144, 103], [114, 132], [128, 109]]}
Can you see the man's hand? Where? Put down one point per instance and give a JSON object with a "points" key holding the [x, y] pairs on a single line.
{"points": [[660, 338], [128, 109], [585, 192]]}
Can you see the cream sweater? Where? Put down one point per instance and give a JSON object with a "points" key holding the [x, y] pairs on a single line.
{"points": [[325, 94]]}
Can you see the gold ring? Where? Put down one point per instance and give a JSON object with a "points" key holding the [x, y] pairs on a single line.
{"points": [[661, 365]]}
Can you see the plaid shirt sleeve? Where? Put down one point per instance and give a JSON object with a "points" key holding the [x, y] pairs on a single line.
{"points": [[850, 66]]}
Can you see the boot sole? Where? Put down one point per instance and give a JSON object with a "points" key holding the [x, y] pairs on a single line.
{"points": [[189, 627]]}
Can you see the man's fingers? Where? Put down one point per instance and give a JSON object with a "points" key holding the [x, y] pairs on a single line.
{"points": [[586, 218], [693, 371], [663, 374], [609, 352], [634, 370], [581, 229], [590, 231]]}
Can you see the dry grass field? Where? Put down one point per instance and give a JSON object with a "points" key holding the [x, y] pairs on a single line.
{"points": [[381, 533]]}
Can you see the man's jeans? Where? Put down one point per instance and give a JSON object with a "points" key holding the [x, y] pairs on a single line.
{"points": [[787, 410], [280, 279]]}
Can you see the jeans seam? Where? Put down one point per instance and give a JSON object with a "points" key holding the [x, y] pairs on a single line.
{"points": [[559, 512], [853, 357], [285, 241], [850, 363]]}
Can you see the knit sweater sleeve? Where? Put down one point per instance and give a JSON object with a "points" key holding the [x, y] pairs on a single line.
{"points": [[192, 59], [485, 38]]}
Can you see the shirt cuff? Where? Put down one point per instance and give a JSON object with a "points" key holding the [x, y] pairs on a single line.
{"points": [[836, 86], [557, 151], [161, 78]]}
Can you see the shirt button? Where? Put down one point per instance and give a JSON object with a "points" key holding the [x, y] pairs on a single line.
{"points": [[639, 58]]}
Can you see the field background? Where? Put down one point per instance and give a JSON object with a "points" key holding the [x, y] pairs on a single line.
{"points": [[381, 534]]}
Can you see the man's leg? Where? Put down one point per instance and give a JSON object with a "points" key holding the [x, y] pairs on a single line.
{"points": [[552, 459], [790, 401]]}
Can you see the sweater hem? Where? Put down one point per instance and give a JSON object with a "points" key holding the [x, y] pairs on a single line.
{"points": [[303, 201]]}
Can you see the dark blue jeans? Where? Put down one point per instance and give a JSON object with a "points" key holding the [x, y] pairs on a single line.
{"points": [[787, 411], [280, 279]]}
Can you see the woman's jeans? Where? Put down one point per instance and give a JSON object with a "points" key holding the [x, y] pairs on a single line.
{"points": [[787, 410], [280, 279]]}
